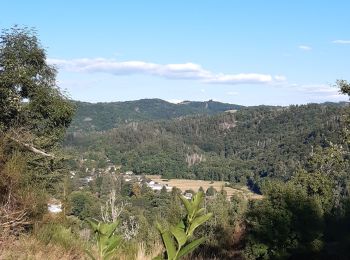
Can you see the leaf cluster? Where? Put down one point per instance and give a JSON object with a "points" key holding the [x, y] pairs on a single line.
{"points": [[106, 239], [177, 239]]}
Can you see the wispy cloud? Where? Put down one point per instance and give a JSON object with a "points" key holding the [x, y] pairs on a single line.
{"points": [[188, 71], [305, 47], [341, 41], [320, 92], [317, 88], [280, 78]]}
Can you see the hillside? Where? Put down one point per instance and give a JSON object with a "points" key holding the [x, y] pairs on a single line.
{"points": [[104, 116], [245, 146]]}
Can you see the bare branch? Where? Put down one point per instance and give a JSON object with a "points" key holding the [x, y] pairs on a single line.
{"points": [[111, 211], [12, 219], [32, 148]]}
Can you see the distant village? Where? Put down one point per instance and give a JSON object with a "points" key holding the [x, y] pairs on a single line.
{"points": [[127, 176], [55, 206]]}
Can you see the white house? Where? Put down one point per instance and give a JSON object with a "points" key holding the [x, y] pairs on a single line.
{"points": [[188, 195], [54, 206], [157, 186]]}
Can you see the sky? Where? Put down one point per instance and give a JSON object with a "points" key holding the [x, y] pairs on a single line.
{"points": [[246, 52]]}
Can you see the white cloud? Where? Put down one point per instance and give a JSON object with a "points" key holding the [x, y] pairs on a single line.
{"points": [[305, 47], [189, 71], [239, 78], [342, 41], [280, 78]]}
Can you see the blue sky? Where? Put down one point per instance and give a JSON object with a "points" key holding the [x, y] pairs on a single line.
{"points": [[236, 51]]}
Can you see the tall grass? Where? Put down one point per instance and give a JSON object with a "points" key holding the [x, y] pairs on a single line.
{"points": [[57, 234], [143, 254], [29, 247]]}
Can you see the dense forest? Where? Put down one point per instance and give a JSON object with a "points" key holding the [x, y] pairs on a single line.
{"points": [[105, 116], [76, 178], [247, 145]]}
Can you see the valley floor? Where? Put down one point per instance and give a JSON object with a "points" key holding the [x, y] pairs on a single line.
{"points": [[186, 184]]}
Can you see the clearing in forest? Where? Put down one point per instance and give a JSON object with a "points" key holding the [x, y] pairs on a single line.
{"points": [[185, 184]]}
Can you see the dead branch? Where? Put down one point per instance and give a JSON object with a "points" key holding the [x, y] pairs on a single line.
{"points": [[12, 219], [32, 148]]}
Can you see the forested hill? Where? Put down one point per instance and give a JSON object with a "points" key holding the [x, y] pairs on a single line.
{"points": [[238, 147], [104, 116]]}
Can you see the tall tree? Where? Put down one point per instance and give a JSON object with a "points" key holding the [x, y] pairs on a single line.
{"points": [[30, 101], [33, 117], [344, 87]]}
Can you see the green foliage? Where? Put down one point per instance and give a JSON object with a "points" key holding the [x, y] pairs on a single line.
{"points": [[287, 222], [17, 189], [318, 186], [241, 147], [34, 115], [325, 176], [107, 241], [83, 204], [176, 239], [344, 86], [30, 99], [305, 218], [105, 116], [222, 230], [296, 156], [57, 234], [211, 191]]}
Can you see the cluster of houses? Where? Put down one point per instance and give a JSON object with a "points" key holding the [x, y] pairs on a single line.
{"points": [[129, 176], [156, 186], [55, 206], [85, 175]]}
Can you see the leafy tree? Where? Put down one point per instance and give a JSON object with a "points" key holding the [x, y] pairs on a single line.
{"points": [[82, 204], [317, 186], [135, 190], [30, 101], [211, 191], [287, 222], [344, 87], [34, 115], [220, 229]]}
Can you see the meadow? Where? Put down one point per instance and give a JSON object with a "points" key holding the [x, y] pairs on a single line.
{"points": [[186, 184]]}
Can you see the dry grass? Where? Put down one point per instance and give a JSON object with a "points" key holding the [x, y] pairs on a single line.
{"points": [[184, 184], [27, 247], [143, 255]]}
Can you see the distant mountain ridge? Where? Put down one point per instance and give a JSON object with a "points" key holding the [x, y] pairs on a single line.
{"points": [[105, 116]]}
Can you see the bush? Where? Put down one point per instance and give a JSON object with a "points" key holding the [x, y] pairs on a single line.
{"points": [[57, 234], [83, 204]]}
